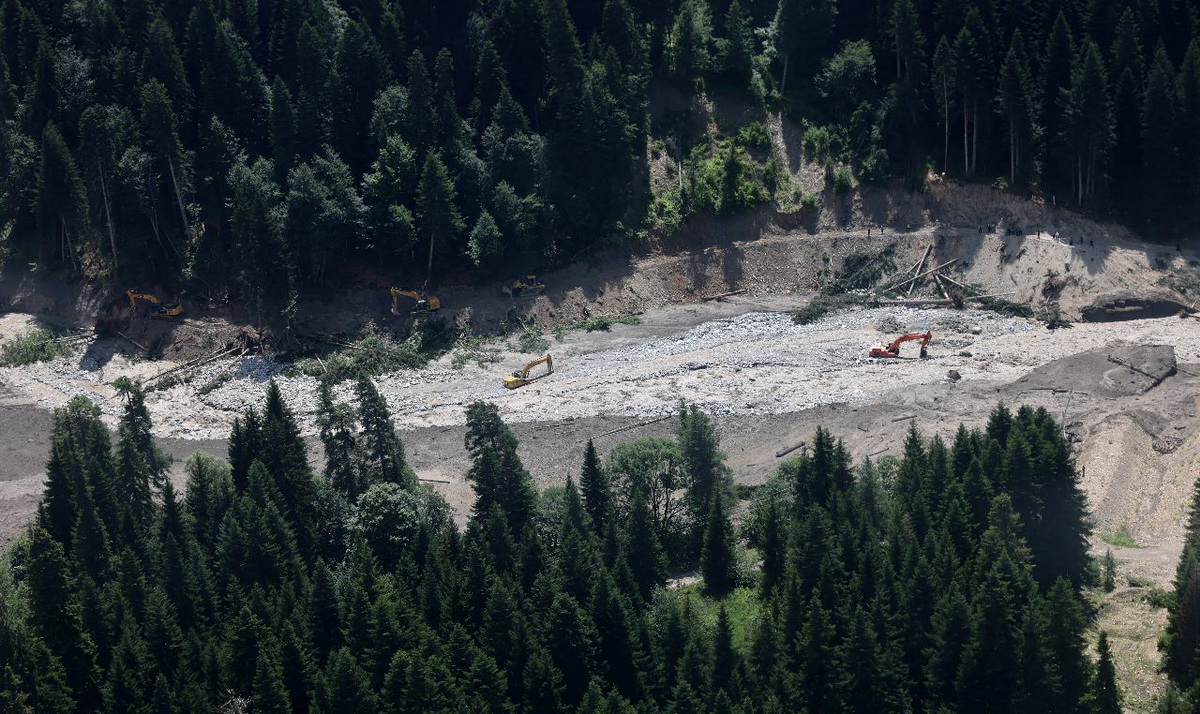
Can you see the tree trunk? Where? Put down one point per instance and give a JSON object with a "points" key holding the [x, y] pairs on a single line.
{"points": [[1012, 151], [178, 197], [975, 136], [112, 234], [946, 123], [783, 80], [966, 153]]}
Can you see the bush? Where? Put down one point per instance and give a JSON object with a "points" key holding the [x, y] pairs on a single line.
{"points": [[532, 340], [375, 355], [1006, 307], [754, 136], [810, 202], [842, 181], [34, 346], [1160, 599], [862, 270], [602, 323]]}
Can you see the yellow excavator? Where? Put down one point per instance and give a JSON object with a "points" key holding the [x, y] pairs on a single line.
{"points": [[157, 310], [527, 286], [425, 302], [521, 377]]}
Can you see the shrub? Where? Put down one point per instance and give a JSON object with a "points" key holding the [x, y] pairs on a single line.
{"points": [[532, 340], [35, 346], [842, 181], [754, 136]]}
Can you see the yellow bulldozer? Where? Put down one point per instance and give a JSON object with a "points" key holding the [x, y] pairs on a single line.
{"points": [[156, 308], [424, 302], [521, 377]]}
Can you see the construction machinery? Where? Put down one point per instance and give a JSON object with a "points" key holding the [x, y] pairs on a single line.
{"points": [[157, 309], [521, 377], [893, 350], [424, 301], [527, 286]]}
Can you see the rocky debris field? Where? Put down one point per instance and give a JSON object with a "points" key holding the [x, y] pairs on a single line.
{"points": [[751, 359]]}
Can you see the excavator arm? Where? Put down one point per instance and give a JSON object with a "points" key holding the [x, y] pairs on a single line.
{"points": [[424, 302], [521, 377], [158, 309], [893, 350]]}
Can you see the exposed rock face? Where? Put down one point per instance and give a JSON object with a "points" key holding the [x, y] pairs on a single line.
{"points": [[1128, 306]]}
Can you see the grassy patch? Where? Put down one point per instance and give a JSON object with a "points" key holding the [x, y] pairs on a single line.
{"points": [[603, 323], [1121, 538], [37, 345], [742, 605]]}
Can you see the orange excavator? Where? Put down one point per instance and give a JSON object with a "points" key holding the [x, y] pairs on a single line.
{"points": [[893, 350]]}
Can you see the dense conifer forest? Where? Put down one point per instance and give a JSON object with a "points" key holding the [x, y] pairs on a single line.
{"points": [[948, 579], [258, 149]]}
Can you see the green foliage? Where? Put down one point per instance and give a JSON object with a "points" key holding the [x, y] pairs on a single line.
{"points": [[862, 270], [1160, 599], [754, 136], [822, 305], [603, 323], [531, 339], [1053, 319], [1121, 538], [375, 354], [38, 345], [377, 600], [1005, 307], [842, 181], [724, 179]]}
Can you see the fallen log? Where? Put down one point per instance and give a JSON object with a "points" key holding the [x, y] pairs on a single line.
{"points": [[919, 266], [916, 303], [635, 426], [136, 344], [927, 272], [724, 295], [784, 452]]}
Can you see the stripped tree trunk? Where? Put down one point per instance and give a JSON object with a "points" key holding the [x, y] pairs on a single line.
{"points": [[112, 234]]}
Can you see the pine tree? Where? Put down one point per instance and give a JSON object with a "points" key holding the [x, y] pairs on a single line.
{"points": [[383, 453], [497, 474], [718, 559], [141, 466], [643, 551], [61, 203], [1158, 148], [1106, 696], [1059, 59], [344, 686], [1091, 119], [337, 423], [597, 490], [437, 211]]}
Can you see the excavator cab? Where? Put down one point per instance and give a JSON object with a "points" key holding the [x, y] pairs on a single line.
{"points": [[521, 377], [893, 350], [527, 286], [424, 302]]}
